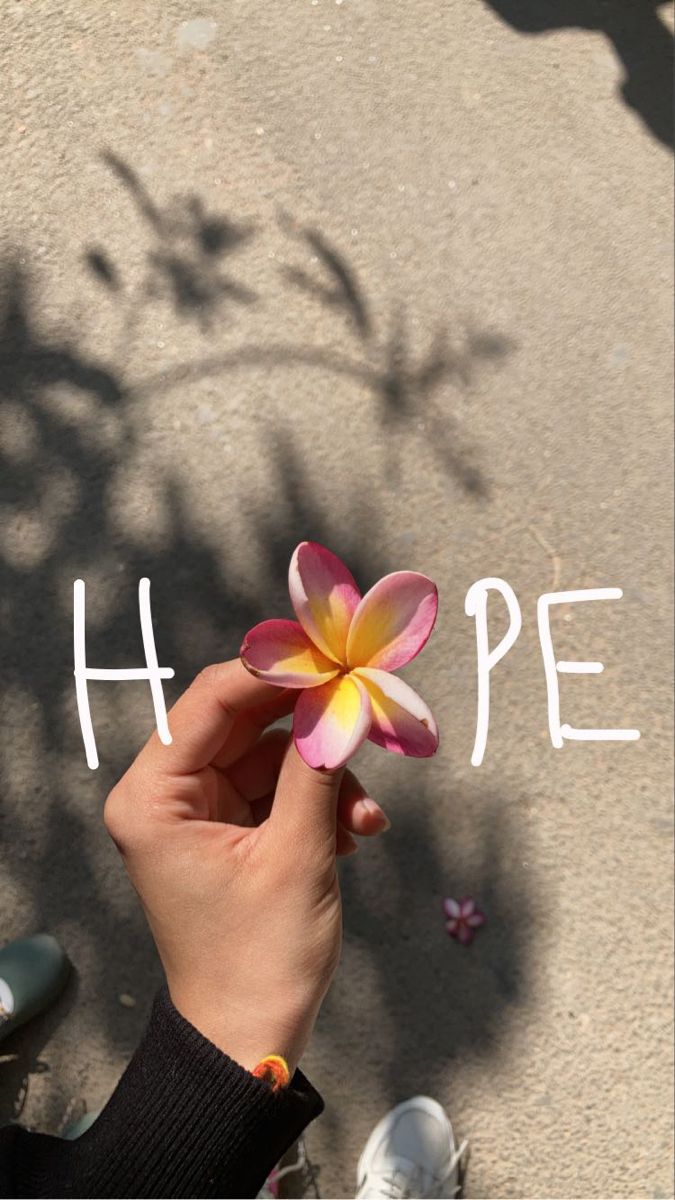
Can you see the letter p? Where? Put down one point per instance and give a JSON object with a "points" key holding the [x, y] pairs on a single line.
{"points": [[475, 605]]}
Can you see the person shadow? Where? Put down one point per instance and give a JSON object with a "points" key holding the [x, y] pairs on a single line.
{"points": [[639, 37], [71, 424], [429, 1004]]}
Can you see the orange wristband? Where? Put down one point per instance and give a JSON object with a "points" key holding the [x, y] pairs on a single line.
{"points": [[273, 1069]]}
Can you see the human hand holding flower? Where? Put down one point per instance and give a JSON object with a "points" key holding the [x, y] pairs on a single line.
{"points": [[230, 840], [230, 834]]}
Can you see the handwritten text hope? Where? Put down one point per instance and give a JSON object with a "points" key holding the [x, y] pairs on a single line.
{"points": [[475, 605]]}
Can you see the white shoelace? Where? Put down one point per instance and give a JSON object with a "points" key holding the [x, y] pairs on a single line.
{"points": [[397, 1185], [300, 1164], [409, 1181]]}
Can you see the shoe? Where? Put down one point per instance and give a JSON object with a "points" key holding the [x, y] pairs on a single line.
{"points": [[76, 1128], [270, 1188], [33, 971], [411, 1153]]}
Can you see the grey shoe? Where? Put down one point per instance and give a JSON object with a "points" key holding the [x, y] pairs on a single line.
{"points": [[76, 1128], [33, 972]]}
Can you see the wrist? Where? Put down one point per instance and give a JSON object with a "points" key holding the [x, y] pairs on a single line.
{"points": [[247, 1035]]}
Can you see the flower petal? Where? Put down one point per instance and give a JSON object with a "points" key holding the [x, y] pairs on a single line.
{"points": [[401, 720], [451, 907], [324, 596], [331, 722], [393, 621], [465, 934], [467, 905], [475, 920], [452, 926], [281, 653]]}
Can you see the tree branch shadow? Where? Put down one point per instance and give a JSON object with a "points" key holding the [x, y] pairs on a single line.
{"points": [[408, 391]]}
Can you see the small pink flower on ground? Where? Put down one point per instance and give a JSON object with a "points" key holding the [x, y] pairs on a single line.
{"points": [[463, 919], [340, 653]]}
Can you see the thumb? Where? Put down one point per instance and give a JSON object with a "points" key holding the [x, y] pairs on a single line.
{"points": [[305, 802]]}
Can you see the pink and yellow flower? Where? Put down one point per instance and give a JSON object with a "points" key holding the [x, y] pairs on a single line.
{"points": [[341, 652]]}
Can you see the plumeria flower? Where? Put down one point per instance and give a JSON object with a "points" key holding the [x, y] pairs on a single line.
{"points": [[464, 918], [341, 652]]}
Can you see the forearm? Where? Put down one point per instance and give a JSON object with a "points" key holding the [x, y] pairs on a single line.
{"points": [[184, 1120]]}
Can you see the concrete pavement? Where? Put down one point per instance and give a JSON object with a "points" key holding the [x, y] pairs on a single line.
{"points": [[396, 277]]}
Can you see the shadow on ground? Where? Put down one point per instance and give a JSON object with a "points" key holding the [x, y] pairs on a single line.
{"points": [[440, 1000], [404, 386], [67, 432], [641, 41]]}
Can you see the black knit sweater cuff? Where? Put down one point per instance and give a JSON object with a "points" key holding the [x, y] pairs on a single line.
{"points": [[185, 1120]]}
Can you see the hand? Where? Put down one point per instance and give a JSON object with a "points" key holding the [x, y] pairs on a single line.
{"points": [[230, 841]]}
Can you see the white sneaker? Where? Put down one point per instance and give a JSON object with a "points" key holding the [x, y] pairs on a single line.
{"points": [[270, 1188], [411, 1153]]}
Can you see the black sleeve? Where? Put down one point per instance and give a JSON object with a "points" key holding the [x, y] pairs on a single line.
{"points": [[184, 1120]]}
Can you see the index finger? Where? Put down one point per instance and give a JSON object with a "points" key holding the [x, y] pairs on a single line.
{"points": [[202, 718]]}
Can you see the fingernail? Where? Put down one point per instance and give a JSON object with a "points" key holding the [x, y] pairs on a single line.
{"points": [[374, 809]]}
